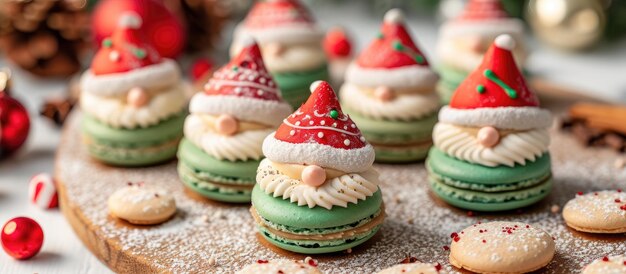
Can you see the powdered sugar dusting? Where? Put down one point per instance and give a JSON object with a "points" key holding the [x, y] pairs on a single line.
{"points": [[218, 238]]}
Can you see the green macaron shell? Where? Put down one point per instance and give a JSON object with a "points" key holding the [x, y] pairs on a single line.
{"points": [[488, 188], [196, 159], [394, 132], [294, 86], [318, 247], [451, 78], [481, 201], [280, 211], [133, 147], [209, 190], [450, 167], [401, 154]]}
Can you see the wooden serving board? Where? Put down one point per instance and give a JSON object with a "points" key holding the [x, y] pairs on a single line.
{"points": [[210, 237]]}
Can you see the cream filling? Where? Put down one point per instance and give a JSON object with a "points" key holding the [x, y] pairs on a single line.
{"points": [[402, 107], [244, 145], [513, 148], [115, 112], [337, 191], [291, 57]]}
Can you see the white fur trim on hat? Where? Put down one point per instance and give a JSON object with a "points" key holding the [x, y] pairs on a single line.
{"points": [[244, 108], [516, 118], [294, 33], [155, 76], [346, 160], [402, 77], [394, 16]]}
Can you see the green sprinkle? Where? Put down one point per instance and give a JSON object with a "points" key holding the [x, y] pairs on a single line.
{"points": [[140, 53], [235, 68], [398, 46], [107, 43], [334, 114], [480, 89], [494, 78], [419, 59], [380, 35]]}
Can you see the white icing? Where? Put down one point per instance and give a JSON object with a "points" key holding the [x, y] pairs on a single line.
{"points": [[514, 148], [116, 112], [517, 118], [346, 160], [267, 112], [402, 107], [505, 41], [301, 56], [297, 125], [157, 76], [394, 16], [242, 146], [339, 191], [402, 77]]}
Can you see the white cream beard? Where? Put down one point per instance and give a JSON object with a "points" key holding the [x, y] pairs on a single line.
{"points": [[114, 111], [242, 146], [339, 191], [293, 58], [514, 148], [402, 107]]}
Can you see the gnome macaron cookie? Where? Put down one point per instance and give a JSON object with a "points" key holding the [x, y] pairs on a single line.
{"points": [[316, 191], [491, 143], [390, 93], [291, 44], [597, 212], [464, 40], [132, 99], [501, 247], [228, 121]]}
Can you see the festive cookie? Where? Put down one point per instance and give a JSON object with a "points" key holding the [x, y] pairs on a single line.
{"points": [[464, 39], [133, 100], [142, 205], [390, 93], [491, 142], [413, 268], [291, 45], [607, 265], [501, 247], [239, 107], [338, 47], [316, 191], [597, 212], [281, 266]]}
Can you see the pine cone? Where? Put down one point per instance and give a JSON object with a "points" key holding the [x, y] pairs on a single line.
{"points": [[45, 37]]}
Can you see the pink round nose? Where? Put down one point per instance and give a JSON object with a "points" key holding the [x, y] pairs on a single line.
{"points": [[488, 136], [313, 175], [226, 124], [383, 93], [137, 97]]}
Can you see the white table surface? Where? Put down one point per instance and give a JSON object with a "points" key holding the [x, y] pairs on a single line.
{"points": [[599, 72]]}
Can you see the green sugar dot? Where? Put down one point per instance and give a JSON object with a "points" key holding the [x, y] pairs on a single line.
{"points": [[334, 114], [235, 68], [480, 89], [398, 46], [107, 43], [419, 59], [140, 53], [380, 35]]}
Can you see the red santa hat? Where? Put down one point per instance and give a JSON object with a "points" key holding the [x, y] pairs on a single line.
{"points": [[127, 60], [320, 133], [392, 59], [280, 21], [485, 18], [244, 89], [496, 94]]}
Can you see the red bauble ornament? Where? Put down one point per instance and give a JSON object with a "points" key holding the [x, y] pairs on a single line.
{"points": [[200, 68], [337, 44], [14, 124], [22, 238], [161, 27]]}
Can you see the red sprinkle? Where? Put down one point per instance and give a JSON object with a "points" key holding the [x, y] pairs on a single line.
{"points": [[470, 213], [456, 239], [484, 241], [605, 259], [480, 231], [619, 190], [281, 272], [312, 262], [438, 267], [618, 201], [527, 226], [445, 247], [624, 262], [623, 207], [262, 261], [595, 194], [454, 235], [579, 193]]}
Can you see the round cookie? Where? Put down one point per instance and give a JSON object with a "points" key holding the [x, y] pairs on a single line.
{"points": [[607, 265], [501, 247], [412, 268], [281, 266], [142, 205], [597, 212]]}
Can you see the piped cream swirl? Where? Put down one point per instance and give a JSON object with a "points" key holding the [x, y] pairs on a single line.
{"points": [[514, 148], [338, 191], [115, 112], [242, 146], [402, 107]]}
